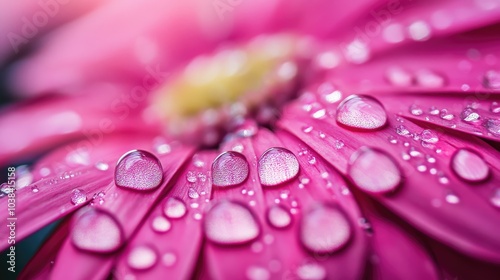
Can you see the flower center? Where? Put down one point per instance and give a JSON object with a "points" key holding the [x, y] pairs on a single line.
{"points": [[214, 94]]}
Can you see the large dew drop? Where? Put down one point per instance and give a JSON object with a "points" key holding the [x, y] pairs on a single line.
{"points": [[362, 112], [96, 231], [229, 169], [230, 223], [325, 229], [276, 166], [142, 257], [374, 171], [469, 166], [139, 170], [174, 208], [279, 217]]}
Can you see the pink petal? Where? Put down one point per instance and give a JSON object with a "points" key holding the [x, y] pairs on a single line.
{"points": [[41, 263], [128, 208], [27, 20], [398, 252], [429, 202], [277, 250], [181, 235], [51, 121]]}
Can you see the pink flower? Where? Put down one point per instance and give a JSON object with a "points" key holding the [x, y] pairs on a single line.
{"points": [[260, 140]]}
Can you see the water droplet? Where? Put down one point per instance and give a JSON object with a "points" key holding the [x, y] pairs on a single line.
{"points": [[311, 271], [419, 31], [321, 113], [399, 77], [276, 166], [434, 111], [257, 273], [493, 126], [142, 257], [339, 144], [357, 52], [96, 231], [429, 136], [230, 223], [495, 198], [324, 230], [174, 208], [492, 79], [361, 112], [402, 130], [229, 169], [102, 166], [139, 170], [469, 166], [452, 198], [307, 129], [192, 193], [191, 177], [469, 115], [278, 217], [495, 107], [169, 259], [161, 224], [34, 189], [416, 110], [78, 197], [445, 115], [429, 79], [374, 171]]}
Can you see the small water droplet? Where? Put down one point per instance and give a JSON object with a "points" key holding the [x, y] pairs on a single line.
{"points": [[169, 259], [278, 217], [230, 223], [325, 229], [495, 198], [492, 79], [402, 130], [78, 197], [174, 208], [469, 115], [434, 111], [96, 231], [34, 189], [229, 169], [161, 224], [311, 271], [319, 114], [493, 126], [192, 193], [416, 110], [429, 136], [138, 170], [361, 112], [469, 166], [399, 77], [495, 107], [276, 166], [419, 30], [307, 129], [452, 198], [339, 144], [374, 171], [102, 166], [191, 177], [445, 115], [142, 257], [429, 79], [257, 273]]}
